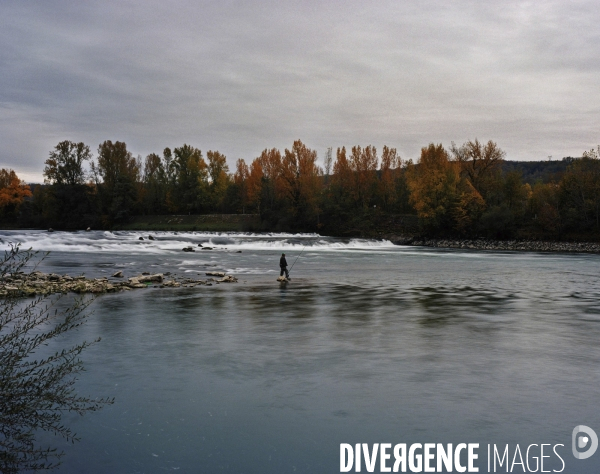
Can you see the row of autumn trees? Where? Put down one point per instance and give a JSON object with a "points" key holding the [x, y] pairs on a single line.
{"points": [[460, 191]]}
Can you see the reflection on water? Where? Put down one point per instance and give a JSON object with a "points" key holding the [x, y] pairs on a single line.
{"points": [[380, 344]]}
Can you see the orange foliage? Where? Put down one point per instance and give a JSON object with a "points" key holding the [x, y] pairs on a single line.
{"points": [[13, 191], [270, 165], [240, 178], [299, 176], [255, 177], [441, 198], [363, 162]]}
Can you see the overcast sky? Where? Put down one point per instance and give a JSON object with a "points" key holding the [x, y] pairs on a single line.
{"points": [[239, 77]]}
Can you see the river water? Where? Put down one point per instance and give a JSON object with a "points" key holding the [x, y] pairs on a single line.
{"points": [[369, 343]]}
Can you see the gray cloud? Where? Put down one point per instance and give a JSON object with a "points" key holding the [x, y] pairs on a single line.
{"points": [[243, 76]]}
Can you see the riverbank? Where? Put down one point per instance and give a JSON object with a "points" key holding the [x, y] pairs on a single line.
{"points": [[508, 245]]}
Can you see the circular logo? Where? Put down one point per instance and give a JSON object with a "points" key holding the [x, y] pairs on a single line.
{"points": [[582, 435]]}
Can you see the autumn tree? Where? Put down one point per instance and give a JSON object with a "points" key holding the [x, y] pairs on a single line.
{"points": [[255, 183], [363, 163], [299, 173], [218, 171], [340, 191], [13, 192], [443, 201], [480, 164], [389, 169], [270, 162], [240, 180]]}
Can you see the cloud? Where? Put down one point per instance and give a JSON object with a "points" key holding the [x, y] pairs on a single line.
{"points": [[243, 76]]}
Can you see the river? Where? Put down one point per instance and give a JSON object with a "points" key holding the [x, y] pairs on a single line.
{"points": [[369, 343]]}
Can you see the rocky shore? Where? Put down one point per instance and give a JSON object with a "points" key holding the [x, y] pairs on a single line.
{"points": [[512, 245], [38, 283]]}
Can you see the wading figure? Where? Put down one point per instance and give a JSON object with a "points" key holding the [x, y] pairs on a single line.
{"points": [[283, 266]]}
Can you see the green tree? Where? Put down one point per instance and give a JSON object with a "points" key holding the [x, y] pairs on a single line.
{"points": [[70, 202], [36, 390], [65, 164], [580, 188], [545, 208], [155, 185], [190, 175], [506, 206], [117, 175]]}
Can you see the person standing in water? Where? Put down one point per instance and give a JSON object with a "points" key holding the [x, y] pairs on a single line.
{"points": [[283, 266]]}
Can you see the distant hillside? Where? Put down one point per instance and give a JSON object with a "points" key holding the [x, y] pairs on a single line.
{"points": [[534, 171]]}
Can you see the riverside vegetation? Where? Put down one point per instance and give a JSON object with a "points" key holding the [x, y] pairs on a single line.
{"points": [[466, 192], [36, 388]]}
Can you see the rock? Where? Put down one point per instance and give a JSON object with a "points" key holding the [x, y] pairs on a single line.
{"points": [[50, 229], [239, 251], [38, 283], [188, 249], [141, 238], [207, 248], [199, 245], [158, 277], [88, 229], [228, 279], [509, 245], [281, 278], [150, 237], [215, 274]]}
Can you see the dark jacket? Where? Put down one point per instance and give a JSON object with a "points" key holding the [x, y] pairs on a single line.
{"points": [[282, 262]]}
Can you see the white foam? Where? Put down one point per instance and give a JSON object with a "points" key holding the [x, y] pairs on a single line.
{"points": [[173, 242]]}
